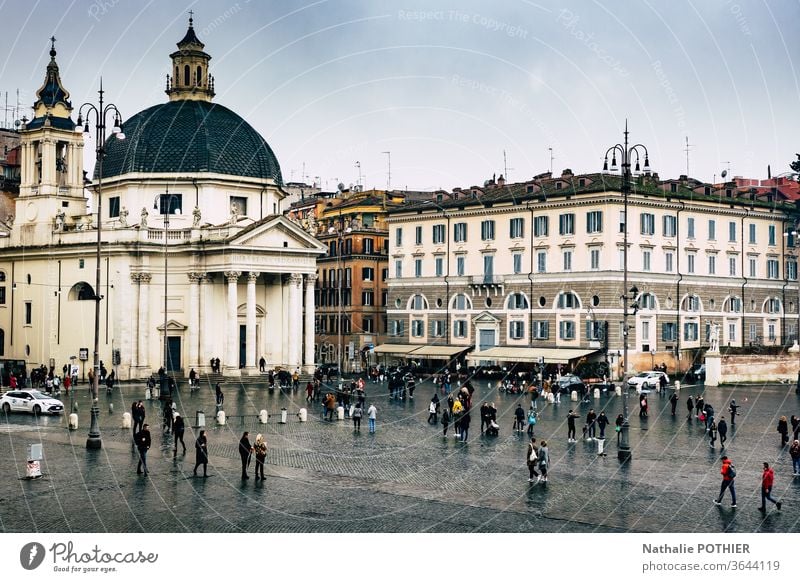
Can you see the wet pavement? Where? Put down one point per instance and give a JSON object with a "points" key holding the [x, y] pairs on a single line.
{"points": [[324, 477]]}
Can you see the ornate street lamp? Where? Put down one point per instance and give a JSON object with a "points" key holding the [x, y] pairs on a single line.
{"points": [[165, 201], [625, 152], [99, 113]]}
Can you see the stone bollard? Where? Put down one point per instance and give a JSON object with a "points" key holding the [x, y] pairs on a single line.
{"points": [[574, 396], [284, 416], [600, 446], [221, 417], [677, 385], [111, 408], [618, 390], [73, 421], [156, 393], [263, 417], [596, 393], [302, 415], [340, 413], [126, 420], [75, 406], [147, 394], [551, 397]]}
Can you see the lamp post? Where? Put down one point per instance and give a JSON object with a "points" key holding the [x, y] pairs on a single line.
{"points": [[339, 276], [99, 113], [625, 152], [165, 201]]}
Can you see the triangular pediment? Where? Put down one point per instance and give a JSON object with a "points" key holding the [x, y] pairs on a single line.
{"points": [[276, 232], [172, 325], [485, 317]]}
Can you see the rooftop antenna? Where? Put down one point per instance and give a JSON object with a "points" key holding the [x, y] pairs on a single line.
{"points": [[505, 166], [358, 165], [552, 157], [688, 145], [389, 174]]}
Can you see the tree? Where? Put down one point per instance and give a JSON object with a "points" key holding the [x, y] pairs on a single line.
{"points": [[796, 164]]}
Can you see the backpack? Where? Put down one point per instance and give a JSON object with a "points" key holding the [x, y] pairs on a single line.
{"points": [[457, 407], [731, 471], [531, 418], [357, 412]]}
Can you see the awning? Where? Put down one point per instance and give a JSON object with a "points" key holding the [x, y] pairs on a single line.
{"points": [[394, 349], [422, 351], [530, 355]]}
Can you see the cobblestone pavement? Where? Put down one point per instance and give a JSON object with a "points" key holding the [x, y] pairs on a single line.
{"points": [[324, 477]]}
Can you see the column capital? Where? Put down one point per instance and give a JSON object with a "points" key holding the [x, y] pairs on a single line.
{"points": [[311, 279], [252, 276], [142, 277], [295, 279], [195, 276], [233, 276]]}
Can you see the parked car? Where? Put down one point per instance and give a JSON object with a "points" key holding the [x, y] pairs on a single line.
{"points": [[646, 380], [30, 401], [569, 382], [696, 373]]}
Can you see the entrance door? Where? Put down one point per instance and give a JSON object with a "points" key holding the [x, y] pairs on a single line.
{"points": [[173, 354], [242, 346], [485, 339]]}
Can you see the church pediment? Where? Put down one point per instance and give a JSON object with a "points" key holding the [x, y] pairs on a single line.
{"points": [[173, 326], [276, 232], [485, 317]]}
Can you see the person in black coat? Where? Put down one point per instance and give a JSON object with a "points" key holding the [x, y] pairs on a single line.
{"points": [[722, 430], [673, 400], [689, 406], [465, 420], [201, 453], [178, 428], [245, 450], [783, 428], [143, 445], [602, 422]]}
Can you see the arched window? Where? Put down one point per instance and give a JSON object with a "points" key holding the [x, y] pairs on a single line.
{"points": [[691, 303], [199, 80], [647, 301], [81, 292], [733, 305], [773, 305], [186, 74], [461, 302], [568, 300], [418, 303], [517, 301]]}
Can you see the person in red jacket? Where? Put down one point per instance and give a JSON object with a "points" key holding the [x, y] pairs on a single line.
{"points": [[767, 479], [728, 475]]}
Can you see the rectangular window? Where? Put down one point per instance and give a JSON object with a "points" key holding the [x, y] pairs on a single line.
{"points": [[712, 264], [669, 259], [398, 237], [646, 260], [772, 235], [384, 298], [348, 277], [460, 328], [791, 270], [594, 259], [517, 330], [384, 274], [594, 222], [541, 261], [753, 267], [368, 298], [240, 207], [732, 266], [540, 225], [691, 331], [731, 231], [398, 269], [368, 325], [772, 268], [541, 330], [348, 246], [113, 207], [621, 221], [3, 295], [438, 234], [460, 266], [567, 255], [670, 226], [712, 229], [645, 331], [170, 204], [369, 246], [487, 230], [771, 332], [367, 274], [690, 263], [647, 222], [417, 328], [566, 224], [488, 268], [439, 266], [516, 228], [594, 331], [460, 232], [418, 235], [437, 328], [690, 227], [668, 332], [753, 332], [752, 229], [517, 259], [566, 330], [28, 313], [732, 333], [418, 267]]}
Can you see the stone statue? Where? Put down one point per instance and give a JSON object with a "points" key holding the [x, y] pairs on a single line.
{"points": [[59, 220], [10, 220], [234, 212], [714, 338], [123, 217], [196, 216], [143, 222], [312, 226]]}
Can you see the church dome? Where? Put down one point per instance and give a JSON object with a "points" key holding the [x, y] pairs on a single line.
{"points": [[187, 137]]}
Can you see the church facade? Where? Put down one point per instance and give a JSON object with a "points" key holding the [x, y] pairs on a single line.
{"points": [[195, 248]]}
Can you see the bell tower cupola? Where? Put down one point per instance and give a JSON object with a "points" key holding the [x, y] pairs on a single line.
{"points": [[190, 78]]}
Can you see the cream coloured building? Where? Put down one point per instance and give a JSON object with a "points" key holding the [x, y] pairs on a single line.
{"points": [[240, 277], [539, 265]]}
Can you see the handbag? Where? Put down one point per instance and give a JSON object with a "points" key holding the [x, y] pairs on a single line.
{"points": [[533, 457]]}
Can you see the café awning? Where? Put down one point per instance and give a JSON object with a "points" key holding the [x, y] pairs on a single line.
{"points": [[422, 351], [530, 355]]}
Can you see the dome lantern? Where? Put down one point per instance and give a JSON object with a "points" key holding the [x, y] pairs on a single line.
{"points": [[190, 78]]}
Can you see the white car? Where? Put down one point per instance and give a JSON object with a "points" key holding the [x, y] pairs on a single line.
{"points": [[30, 401], [646, 380]]}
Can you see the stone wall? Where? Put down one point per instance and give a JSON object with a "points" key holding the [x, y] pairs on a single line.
{"points": [[755, 368]]}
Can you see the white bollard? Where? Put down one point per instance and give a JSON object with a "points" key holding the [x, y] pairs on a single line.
{"points": [[263, 417], [73, 421], [600, 445], [340, 413], [596, 393], [551, 398], [126, 420], [302, 415], [221, 417], [284, 416], [677, 385], [618, 390], [111, 408], [147, 394], [574, 396]]}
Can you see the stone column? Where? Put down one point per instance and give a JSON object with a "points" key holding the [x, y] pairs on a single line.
{"points": [[251, 322], [193, 349], [206, 325], [231, 361], [308, 356], [144, 322], [295, 327], [135, 323]]}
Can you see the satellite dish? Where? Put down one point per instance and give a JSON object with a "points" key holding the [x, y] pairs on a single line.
{"points": [[340, 186], [724, 173], [17, 123]]}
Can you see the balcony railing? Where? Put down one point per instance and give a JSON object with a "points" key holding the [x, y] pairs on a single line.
{"points": [[486, 280]]}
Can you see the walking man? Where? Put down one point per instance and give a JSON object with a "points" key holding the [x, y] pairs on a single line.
{"points": [[372, 412], [794, 451], [143, 445], [178, 428], [590, 426], [722, 430], [571, 416], [602, 421], [245, 450], [689, 407], [728, 475], [767, 479], [733, 408], [673, 400]]}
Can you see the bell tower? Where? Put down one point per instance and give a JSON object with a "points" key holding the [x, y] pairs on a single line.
{"points": [[190, 78], [51, 156]]}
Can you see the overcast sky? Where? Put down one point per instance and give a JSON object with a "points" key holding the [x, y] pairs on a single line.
{"points": [[448, 86]]}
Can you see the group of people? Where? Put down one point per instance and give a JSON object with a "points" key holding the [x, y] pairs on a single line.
{"points": [[457, 411], [728, 472], [703, 411]]}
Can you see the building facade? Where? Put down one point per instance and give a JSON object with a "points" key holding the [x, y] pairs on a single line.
{"points": [[540, 264]]}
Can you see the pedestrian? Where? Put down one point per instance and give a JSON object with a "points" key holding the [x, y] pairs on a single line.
{"points": [[531, 420], [662, 384], [733, 408], [262, 364], [178, 429], [673, 400], [412, 384], [484, 415], [783, 429], [192, 378], [433, 417], [544, 459], [519, 418], [722, 431], [168, 411], [143, 445], [699, 404], [794, 452], [532, 460], [220, 397], [245, 452], [767, 480], [201, 453], [445, 421], [534, 397], [728, 475], [591, 417], [358, 412], [135, 418], [465, 420], [571, 416], [643, 406], [260, 449], [795, 422], [309, 391], [330, 405], [602, 422], [372, 412], [712, 434], [689, 406], [618, 426]]}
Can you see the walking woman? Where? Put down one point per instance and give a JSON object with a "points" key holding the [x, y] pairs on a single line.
{"points": [[261, 455], [532, 458], [445, 421], [201, 453], [783, 428], [712, 433], [544, 460]]}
